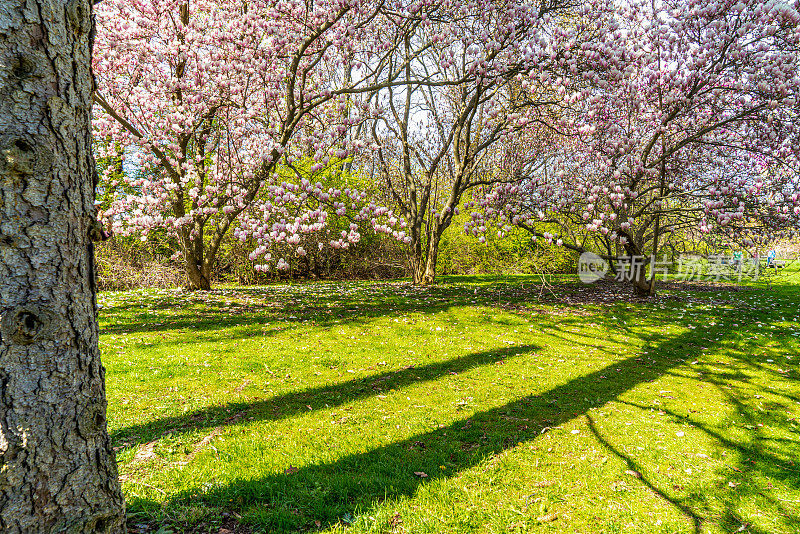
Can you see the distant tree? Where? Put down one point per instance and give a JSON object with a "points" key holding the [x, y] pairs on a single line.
{"points": [[438, 140], [681, 115], [219, 96]]}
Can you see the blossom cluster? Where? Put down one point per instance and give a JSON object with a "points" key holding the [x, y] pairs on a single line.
{"points": [[685, 112]]}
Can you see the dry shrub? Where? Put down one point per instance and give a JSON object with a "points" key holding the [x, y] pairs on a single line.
{"points": [[125, 263]]}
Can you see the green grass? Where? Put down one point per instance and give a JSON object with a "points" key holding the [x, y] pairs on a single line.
{"points": [[473, 406]]}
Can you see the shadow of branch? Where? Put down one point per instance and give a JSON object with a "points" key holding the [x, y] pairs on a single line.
{"points": [[637, 470]]}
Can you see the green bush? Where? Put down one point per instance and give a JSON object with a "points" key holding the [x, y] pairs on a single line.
{"points": [[515, 253]]}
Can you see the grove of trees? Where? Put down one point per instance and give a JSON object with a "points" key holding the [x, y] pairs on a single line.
{"points": [[599, 126]]}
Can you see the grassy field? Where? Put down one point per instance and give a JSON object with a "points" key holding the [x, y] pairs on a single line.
{"points": [[479, 405]]}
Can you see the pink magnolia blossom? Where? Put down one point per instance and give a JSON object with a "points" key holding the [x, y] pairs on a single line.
{"points": [[675, 117]]}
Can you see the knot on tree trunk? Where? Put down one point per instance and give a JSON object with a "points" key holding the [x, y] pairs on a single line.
{"points": [[20, 157], [93, 419], [22, 67], [25, 325]]}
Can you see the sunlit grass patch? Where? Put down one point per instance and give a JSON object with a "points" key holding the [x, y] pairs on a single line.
{"points": [[473, 406]]}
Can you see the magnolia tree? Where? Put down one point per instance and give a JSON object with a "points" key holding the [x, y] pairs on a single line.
{"points": [[681, 115], [207, 100], [437, 141]]}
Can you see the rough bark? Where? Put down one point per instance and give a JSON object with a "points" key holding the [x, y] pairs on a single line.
{"points": [[417, 262], [642, 285], [197, 262], [57, 467]]}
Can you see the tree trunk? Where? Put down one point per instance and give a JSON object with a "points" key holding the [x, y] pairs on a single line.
{"points": [[198, 264], [57, 467], [429, 276], [198, 274], [417, 260], [424, 259], [642, 286]]}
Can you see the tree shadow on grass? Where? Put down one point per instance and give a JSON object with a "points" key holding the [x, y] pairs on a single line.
{"points": [[333, 492], [321, 397], [758, 441], [761, 460], [763, 455], [329, 492], [205, 315], [635, 468], [212, 312]]}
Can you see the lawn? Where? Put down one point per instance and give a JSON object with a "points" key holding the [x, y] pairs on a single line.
{"points": [[479, 405]]}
